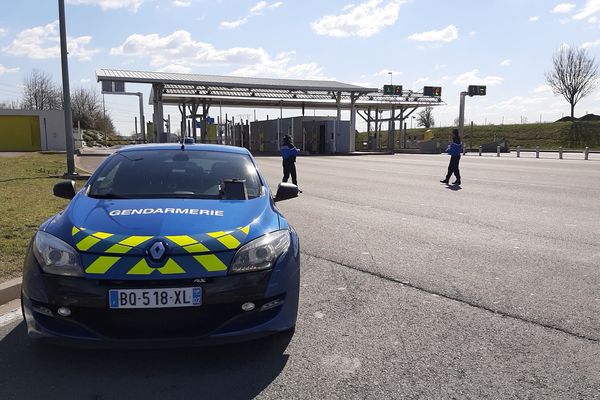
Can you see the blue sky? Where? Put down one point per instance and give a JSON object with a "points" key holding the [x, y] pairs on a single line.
{"points": [[504, 44]]}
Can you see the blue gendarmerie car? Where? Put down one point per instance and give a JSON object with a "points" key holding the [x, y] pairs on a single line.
{"points": [[165, 243]]}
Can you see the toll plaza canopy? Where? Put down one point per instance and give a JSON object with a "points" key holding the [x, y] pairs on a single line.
{"points": [[195, 94]]}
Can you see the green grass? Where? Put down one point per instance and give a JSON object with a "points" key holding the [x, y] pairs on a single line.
{"points": [[549, 136], [26, 201]]}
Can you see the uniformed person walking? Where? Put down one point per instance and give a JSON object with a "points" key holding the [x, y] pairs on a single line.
{"points": [[288, 154], [454, 149]]}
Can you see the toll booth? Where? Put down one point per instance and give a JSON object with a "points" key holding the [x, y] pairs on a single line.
{"points": [[315, 135]]}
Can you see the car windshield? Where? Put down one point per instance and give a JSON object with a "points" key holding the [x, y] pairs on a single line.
{"points": [[173, 174]]}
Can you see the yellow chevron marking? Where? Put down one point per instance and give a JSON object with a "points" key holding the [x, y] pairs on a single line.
{"points": [[133, 241], [182, 240], [101, 265], [216, 234], [245, 229], [197, 248], [229, 241], [141, 268], [171, 267], [74, 231], [211, 263], [86, 243], [102, 235], [118, 249]]}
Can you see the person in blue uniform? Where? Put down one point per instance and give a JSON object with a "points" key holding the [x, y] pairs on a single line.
{"points": [[454, 149], [288, 154]]}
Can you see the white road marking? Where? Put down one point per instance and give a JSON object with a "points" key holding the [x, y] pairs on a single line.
{"points": [[10, 317]]}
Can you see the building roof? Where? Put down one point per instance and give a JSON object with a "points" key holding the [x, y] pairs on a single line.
{"points": [[170, 78]]}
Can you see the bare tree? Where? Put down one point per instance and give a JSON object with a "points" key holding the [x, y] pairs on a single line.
{"points": [[10, 105], [574, 76], [86, 105], [40, 92], [425, 117]]}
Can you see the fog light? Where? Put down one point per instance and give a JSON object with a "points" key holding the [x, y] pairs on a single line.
{"points": [[64, 311], [271, 304], [248, 306]]}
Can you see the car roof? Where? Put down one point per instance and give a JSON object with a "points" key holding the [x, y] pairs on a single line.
{"points": [[188, 147]]}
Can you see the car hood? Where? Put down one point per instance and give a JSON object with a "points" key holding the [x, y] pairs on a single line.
{"points": [[191, 237]]}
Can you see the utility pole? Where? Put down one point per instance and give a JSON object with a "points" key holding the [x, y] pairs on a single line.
{"points": [[66, 90], [461, 114]]}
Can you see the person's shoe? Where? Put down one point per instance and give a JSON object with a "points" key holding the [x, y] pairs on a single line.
{"points": [[444, 181], [456, 182]]}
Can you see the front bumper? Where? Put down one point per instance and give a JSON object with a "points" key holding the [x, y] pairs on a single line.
{"points": [[219, 319]]}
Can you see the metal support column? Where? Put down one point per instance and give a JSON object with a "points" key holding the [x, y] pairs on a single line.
{"points": [[336, 126], [461, 113], [142, 119], [352, 135], [391, 128], [159, 125]]}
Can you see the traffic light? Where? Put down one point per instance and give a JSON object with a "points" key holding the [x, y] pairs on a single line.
{"points": [[432, 91], [475, 90], [395, 90]]}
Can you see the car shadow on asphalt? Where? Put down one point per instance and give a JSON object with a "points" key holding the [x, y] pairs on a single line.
{"points": [[32, 370]]}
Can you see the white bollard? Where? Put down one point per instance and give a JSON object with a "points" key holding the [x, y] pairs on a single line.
{"points": [[560, 152], [480, 149], [518, 151], [497, 151], [586, 153], [537, 151]]}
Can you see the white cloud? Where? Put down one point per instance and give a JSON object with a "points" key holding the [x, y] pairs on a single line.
{"points": [[179, 52], [255, 10], [563, 8], [182, 3], [5, 70], [3, 31], [593, 20], [258, 7], [472, 33], [363, 20], [110, 4], [588, 45], [543, 88], [281, 66], [85, 80], [517, 103], [591, 7], [176, 68], [473, 78], [233, 24], [42, 42], [384, 72], [448, 34], [535, 18], [505, 63], [421, 80]]}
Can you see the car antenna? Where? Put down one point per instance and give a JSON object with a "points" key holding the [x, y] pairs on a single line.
{"points": [[182, 144]]}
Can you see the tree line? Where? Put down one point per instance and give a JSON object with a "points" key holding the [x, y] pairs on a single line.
{"points": [[41, 93]]}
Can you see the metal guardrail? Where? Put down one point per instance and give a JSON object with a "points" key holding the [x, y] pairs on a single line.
{"points": [[585, 152]]}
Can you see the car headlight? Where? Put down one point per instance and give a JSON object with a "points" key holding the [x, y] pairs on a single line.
{"points": [[55, 256], [261, 253]]}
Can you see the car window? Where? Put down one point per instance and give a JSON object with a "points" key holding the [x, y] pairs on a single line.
{"points": [[173, 173]]}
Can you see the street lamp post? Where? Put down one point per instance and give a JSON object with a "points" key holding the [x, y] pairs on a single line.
{"points": [[66, 90], [391, 74]]}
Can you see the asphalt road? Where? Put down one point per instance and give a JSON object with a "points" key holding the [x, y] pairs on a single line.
{"points": [[410, 289]]}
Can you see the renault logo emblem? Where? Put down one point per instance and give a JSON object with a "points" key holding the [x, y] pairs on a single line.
{"points": [[157, 251]]}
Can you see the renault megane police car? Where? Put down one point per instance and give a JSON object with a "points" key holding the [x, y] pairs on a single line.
{"points": [[177, 243]]}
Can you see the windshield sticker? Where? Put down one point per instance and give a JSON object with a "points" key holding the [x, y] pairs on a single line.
{"points": [[147, 211]]}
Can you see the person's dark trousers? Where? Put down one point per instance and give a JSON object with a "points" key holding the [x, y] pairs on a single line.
{"points": [[289, 168], [453, 168]]}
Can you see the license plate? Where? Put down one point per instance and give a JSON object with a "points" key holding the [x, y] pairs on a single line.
{"points": [[155, 298]]}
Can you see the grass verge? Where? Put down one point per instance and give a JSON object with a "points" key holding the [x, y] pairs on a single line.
{"points": [[26, 201]]}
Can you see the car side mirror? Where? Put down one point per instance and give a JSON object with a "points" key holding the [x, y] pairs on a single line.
{"points": [[286, 191], [65, 189]]}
